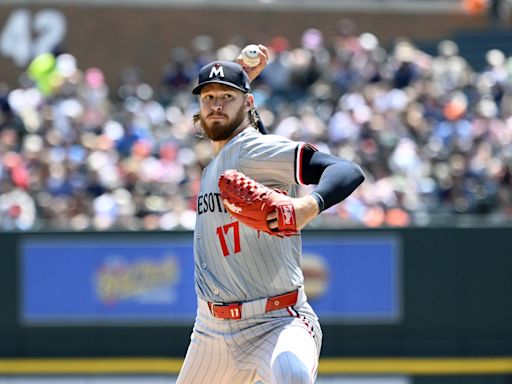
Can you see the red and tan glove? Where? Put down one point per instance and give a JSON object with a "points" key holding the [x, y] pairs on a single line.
{"points": [[250, 202]]}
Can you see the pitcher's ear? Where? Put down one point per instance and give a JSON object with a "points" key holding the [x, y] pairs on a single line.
{"points": [[249, 100]]}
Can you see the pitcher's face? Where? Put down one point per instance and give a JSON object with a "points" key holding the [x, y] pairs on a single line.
{"points": [[222, 109]]}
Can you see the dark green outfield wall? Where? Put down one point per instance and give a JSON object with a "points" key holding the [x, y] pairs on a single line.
{"points": [[457, 301]]}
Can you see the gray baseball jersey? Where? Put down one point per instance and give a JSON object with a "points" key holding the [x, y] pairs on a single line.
{"points": [[233, 262]]}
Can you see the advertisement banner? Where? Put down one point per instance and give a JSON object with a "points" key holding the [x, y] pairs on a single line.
{"points": [[95, 281], [107, 281], [354, 279]]}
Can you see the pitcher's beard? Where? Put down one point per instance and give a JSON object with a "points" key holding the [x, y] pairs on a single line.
{"points": [[218, 130]]}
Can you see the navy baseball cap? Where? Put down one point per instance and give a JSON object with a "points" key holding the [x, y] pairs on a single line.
{"points": [[223, 72]]}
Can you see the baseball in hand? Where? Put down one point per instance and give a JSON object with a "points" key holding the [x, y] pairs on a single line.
{"points": [[250, 55]]}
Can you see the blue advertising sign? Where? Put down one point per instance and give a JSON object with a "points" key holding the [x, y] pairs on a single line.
{"points": [[107, 281], [355, 279], [71, 281]]}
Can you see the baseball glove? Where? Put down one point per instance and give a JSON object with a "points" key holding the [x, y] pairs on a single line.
{"points": [[250, 202]]}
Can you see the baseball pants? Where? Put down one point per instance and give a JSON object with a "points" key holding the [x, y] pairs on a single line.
{"points": [[277, 347]]}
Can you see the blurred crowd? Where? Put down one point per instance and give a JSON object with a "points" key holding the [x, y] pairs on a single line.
{"points": [[433, 135]]}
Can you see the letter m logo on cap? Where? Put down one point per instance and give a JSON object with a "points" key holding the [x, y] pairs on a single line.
{"points": [[217, 71]]}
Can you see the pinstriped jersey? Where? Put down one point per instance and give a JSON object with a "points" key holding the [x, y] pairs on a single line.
{"points": [[233, 262]]}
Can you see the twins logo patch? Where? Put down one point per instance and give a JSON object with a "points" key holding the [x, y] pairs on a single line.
{"points": [[232, 207]]}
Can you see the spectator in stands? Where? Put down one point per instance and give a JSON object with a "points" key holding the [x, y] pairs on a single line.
{"points": [[434, 136]]}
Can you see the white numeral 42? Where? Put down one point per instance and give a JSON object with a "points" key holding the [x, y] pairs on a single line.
{"points": [[24, 36]]}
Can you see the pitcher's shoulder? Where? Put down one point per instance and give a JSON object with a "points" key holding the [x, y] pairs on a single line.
{"points": [[252, 136]]}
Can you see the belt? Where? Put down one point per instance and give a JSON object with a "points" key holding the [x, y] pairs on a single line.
{"points": [[233, 311]]}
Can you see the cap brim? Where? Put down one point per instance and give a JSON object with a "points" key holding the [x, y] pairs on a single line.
{"points": [[197, 89]]}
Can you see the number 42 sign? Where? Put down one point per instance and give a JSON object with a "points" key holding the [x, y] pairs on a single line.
{"points": [[26, 35]]}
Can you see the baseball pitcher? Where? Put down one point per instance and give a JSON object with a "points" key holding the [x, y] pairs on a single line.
{"points": [[254, 324]]}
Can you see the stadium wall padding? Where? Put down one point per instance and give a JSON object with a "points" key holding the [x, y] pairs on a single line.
{"points": [[456, 300]]}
